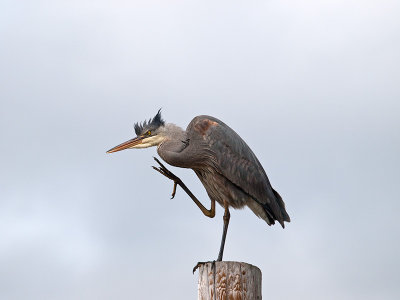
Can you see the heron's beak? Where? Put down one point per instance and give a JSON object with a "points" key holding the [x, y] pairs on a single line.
{"points": [[128, 144]]}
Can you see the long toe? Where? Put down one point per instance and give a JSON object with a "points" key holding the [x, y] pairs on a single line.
{"points": [[200, 263]]}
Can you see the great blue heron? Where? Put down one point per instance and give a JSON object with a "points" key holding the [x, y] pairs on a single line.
{"points": [[225, 165]]}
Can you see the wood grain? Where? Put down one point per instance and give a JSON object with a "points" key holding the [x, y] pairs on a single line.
{"points": [[229, 280]]}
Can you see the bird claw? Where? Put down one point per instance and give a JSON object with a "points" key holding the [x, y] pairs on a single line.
{"points": [[167, 173], [174, 190], [200, 263]]}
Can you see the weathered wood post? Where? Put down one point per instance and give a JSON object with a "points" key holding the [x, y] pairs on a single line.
{"points": [[229, 280]]}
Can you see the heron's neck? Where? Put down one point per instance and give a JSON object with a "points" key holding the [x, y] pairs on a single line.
{"points": [[172, 132], [173, 144]]}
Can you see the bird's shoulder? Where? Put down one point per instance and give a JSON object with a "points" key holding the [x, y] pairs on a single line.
{"points": [[202, 124], [220, 137]]}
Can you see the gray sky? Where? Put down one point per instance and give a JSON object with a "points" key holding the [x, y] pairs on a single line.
{"points": [[313, 88]]}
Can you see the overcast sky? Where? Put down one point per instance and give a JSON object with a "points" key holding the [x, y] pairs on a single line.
{"points": [[312, 86]]}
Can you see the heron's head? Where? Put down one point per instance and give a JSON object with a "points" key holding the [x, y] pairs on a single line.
{"points": [[148, 133]]}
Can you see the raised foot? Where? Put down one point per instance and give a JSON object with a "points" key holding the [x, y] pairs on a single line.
{"points": [[167, 173], [200, 263]]}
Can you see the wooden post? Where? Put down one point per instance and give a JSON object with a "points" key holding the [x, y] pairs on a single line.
{"points": [[229, 280]]}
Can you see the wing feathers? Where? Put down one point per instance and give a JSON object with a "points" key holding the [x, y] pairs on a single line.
{"points": [[237, 162]]}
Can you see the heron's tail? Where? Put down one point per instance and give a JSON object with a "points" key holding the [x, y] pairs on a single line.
{"points": [[281, 204]]}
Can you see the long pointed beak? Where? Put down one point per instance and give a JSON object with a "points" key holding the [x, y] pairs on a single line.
{"points": [[128, 144]]}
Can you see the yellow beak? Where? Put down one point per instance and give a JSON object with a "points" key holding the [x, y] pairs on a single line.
{"points": [[128, 144]]}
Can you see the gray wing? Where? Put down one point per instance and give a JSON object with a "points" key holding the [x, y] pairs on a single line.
{"points": [[237, 163]]}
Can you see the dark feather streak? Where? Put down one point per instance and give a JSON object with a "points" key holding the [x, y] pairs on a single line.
{"points": [[151, 124]]}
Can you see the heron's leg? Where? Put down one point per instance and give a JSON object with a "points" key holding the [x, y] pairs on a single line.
{"points": [[227, 216], [177, 181]]}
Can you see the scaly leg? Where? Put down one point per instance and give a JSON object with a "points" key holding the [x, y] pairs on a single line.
{"points": [[177, 181], [227, 216]]}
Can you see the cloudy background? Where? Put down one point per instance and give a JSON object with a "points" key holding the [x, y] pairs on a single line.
{"points": [[312, 86]]}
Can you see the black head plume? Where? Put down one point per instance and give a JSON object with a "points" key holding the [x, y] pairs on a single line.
{"points": [[151, 124]]}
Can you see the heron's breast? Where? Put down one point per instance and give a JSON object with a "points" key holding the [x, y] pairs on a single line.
{"points": [[220, 189]]}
